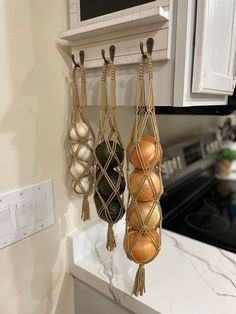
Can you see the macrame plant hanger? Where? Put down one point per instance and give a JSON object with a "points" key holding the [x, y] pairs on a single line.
{"points": [[142, 240], [81, 139], [109, 156]]}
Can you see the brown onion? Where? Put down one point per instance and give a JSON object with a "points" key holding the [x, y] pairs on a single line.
{"points": [[141, 248], [145, 186], [145, 154], [144, 213]]}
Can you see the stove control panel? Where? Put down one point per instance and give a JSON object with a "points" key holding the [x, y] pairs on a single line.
{"points": [[183, 158], [170, 166], [179, 162], [192, 153], [211, 147]]}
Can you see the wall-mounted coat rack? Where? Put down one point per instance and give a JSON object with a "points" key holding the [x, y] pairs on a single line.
{"points": [[125, 29], [112, 50]]}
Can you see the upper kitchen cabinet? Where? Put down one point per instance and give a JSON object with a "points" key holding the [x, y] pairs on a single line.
{"points": [[204, 52], [215, 42]]}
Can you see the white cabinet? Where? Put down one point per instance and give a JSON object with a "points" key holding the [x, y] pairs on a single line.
{"points": [[88, 300], [215, 46], [204, 52]]}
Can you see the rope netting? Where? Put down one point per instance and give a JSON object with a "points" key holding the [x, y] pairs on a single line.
{"points": [[81, 141], [142, 241], [109, 158]]}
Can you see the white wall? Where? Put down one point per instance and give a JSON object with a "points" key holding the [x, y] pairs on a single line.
{"points": [[33, 110], [33, 122]]}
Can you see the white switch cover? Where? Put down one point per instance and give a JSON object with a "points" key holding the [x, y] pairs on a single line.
{"points": [[5, 221], [25, 211]]}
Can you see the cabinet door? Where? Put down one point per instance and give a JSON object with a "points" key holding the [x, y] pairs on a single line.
{"points": [[215, 46]]}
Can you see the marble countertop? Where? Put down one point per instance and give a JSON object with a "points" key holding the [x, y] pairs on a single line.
{"points": [[187, 277]]}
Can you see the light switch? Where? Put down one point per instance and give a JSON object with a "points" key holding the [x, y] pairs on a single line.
{"points": [[25, 213], [5, 221], [41, 207]]}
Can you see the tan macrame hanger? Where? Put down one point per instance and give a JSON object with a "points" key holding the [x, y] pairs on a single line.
{"points": [[143, 229], [109, 207], [81, 147]]}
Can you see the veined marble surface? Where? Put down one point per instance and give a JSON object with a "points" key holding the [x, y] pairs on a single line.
{"points": [[187, 277]]}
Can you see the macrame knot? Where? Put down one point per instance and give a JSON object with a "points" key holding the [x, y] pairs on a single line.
{"points": [[144, 229]]}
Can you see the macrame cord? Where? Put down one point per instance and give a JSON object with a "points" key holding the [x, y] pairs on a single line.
{"points": [[81, 147], [141, 234], [109, 207]]}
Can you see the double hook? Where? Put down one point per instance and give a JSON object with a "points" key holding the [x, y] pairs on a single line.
{"points": [[112, 50], [150, 43], [81, 56]]}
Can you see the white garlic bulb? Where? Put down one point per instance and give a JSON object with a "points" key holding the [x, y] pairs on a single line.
{"points": [[81, 130], [82, 151], [85, 183], [77, 169]]}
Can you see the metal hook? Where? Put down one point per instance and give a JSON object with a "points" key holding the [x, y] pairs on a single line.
{"points": [[150, 43], [81, 56], [103, 56], [141, 48], [73, 60], [112, 50]]}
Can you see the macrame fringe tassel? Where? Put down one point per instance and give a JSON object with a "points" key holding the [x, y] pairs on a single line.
{"points": [[85, 209], [139, 283], [111, 242]]}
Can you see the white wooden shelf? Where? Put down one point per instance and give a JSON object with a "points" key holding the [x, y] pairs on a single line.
{"points": [[149, 16], [124, 29]]}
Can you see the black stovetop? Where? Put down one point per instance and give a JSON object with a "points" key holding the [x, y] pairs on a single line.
{"points": [[204, 209]]}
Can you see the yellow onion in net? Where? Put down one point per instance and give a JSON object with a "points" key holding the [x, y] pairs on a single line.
{"points": [[146, 214], [141, 248], [144, 186], [144, 154]]}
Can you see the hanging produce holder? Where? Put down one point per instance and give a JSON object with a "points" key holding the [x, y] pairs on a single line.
{"points": [[142, 241], [109, 156], [81, 140]]}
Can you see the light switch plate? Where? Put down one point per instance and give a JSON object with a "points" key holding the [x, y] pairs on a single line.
{"points": [[25, 211]]}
